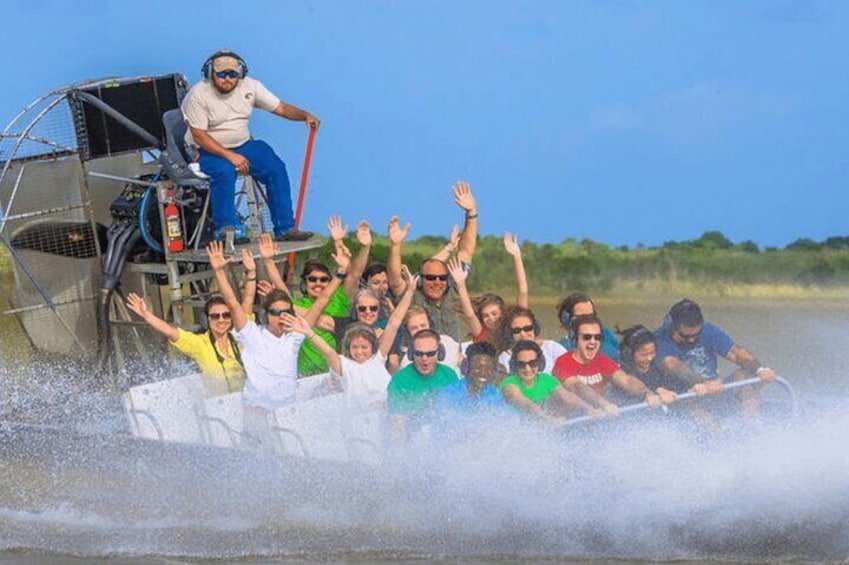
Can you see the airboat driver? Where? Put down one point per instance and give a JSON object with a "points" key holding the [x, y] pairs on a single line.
{"points": [[216, 111]]}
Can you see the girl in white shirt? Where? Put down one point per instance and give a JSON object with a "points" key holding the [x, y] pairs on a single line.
{"points": [[361, 369]]}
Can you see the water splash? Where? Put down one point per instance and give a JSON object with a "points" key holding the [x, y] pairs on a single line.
{"points": [[641, 490]]}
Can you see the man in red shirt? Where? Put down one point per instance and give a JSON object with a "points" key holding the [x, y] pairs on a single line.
{"points": [[586, 371]]}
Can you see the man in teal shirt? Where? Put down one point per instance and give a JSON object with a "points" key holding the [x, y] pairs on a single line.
{"points": [[412, 389]]}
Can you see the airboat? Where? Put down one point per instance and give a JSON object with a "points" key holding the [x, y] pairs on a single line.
{"points": [[88, 173]]}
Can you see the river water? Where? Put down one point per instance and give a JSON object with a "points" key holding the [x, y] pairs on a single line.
{"points": [[642, 490]]}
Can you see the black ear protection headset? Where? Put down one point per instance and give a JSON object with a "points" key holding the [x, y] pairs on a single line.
{"points": [[207, 68], [440, 354], [526, 345]]}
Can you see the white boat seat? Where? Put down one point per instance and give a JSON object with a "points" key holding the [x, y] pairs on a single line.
{"points": [[167, 410]]}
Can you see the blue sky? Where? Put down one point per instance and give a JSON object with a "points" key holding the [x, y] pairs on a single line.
{"points": [[625, 122]]}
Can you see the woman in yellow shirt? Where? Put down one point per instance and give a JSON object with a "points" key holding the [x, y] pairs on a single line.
{"points": [[215, 350]]}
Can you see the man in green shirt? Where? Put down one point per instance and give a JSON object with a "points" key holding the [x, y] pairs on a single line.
{"points": [[413, 388]]}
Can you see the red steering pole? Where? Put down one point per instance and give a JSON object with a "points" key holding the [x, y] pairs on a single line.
{"points": [[302, 194]]}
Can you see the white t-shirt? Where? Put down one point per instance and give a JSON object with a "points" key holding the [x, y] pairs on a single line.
{"points": [[364, 384], [551, 350], [452, 353], [271, 364], [225, 116]]}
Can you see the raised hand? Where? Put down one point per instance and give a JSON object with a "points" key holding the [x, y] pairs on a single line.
{"points": [[342, 258], [264, 287], [458, 273], [409, 278], [511, 244], [247, 260], [137, 304], [296, 323], [463, 197], [267, 246], [397, 234], [334, 227], [217, 260], [364, 233]]}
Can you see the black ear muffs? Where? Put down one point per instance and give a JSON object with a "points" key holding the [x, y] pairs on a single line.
{"points": [[440, 353], [626, 354], [565, 318], [206, 69], [464, 367]]}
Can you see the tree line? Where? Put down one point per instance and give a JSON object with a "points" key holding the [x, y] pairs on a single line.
{"points": [[588, 265]]}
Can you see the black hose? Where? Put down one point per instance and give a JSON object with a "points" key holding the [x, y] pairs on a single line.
{"points": [[120, 243]]}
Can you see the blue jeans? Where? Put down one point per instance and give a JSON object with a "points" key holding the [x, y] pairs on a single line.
{"points": [[266, 167]]}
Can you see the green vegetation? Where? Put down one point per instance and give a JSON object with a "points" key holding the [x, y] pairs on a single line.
{"points": [[709, 264]]}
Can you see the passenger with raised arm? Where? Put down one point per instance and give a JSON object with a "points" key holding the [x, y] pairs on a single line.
{"points": [[519, 324], [434, 292], [365, 303], [217, 111], [483, 314], [315, 277], [215, 350], [411, 391], [533, 391], [580, 304], [270, 353], [586, 371], [360, 370], [688, 347]]}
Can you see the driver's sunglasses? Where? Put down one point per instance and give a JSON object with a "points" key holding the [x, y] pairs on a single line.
{"points": [[220, 316], [431, 278], [227, 74], [363, 308], [278, 311], [321, 279]]}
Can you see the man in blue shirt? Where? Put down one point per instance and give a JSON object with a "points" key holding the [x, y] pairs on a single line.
{"points": [[688, 347], [481, 372]]}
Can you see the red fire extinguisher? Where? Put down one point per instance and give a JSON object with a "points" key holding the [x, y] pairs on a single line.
{"points": [[173, 226]]}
